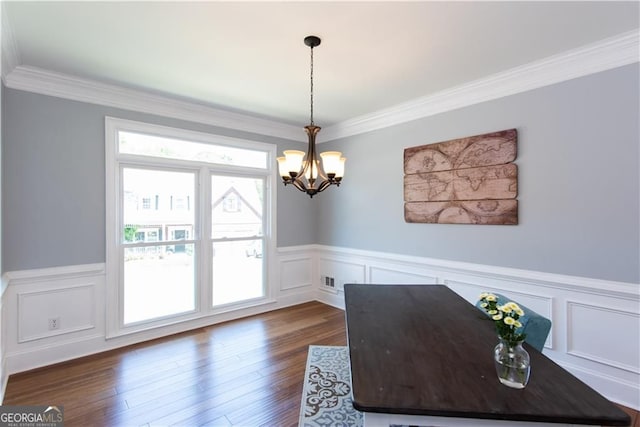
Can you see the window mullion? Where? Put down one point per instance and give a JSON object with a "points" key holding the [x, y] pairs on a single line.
{"points": [[205, 240]]}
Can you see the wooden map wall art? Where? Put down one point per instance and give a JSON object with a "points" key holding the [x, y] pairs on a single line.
{"points": [[463, 181]]}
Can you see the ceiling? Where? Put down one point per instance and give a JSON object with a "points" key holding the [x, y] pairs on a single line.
{"points": [[249, 57]]}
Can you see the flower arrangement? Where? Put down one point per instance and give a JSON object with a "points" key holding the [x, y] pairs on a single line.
{"points": [[505, 317]]}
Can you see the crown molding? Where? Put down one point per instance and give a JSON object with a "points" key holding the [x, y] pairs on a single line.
{"points": [[50, 83], [10, 52], [593, 58]]}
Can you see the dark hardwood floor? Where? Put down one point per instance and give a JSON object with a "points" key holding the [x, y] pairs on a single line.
{"points": [[247, 372]]}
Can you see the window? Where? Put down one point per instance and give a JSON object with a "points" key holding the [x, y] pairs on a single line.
{"points": [[189, 220], [146, 203]]}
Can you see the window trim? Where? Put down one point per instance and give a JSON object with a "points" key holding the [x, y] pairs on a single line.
{"points": [[114, 161]]}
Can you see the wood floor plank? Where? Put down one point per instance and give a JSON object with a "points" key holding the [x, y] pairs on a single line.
{"points": [[246, 373]]}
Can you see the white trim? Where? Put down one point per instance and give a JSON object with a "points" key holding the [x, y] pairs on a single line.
{"points": [[301, 259], [4, 375], [202, 172], [49, 353], [22, 297], [606, 385], [600, 56], [296, 250], [603, 55], [19, 277], [583, 284], [611, 377], [570, 304], [10, 52], [45, 82], [22, 356]]}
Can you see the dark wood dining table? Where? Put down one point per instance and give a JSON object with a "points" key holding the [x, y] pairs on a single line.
{"points": [[423, 355]]}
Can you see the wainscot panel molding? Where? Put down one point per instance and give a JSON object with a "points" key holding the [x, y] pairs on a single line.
{"points": [[296, 268], [75, 295], [580, 308], [77, 303], [580, 341]]}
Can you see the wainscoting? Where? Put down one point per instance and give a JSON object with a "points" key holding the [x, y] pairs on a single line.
{"points": [[75, 297], [594, 334], [596, 323]]}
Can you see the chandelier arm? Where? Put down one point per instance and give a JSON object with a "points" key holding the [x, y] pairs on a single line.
{"points": [[324, 185], [299, 184]]}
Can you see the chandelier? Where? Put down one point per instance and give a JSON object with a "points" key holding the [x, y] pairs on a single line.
{"points": [[305, 171]]}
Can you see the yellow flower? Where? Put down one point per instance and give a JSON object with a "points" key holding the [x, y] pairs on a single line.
{"points": [[484, 305], [497, 316], [509, 321], [513, 306], [491, 297], [518, 324], [483, 295], [505, 308], [492, 312], [520, 312]]}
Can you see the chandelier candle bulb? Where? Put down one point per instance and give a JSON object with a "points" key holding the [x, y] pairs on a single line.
{"points": [[340, 170], [294, 161], [331, 161], [282, 168], [312, 171]]}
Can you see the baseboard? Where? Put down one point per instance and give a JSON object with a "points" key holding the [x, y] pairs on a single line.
{"points": [[622, 392], [334, 299], [67, 348], [29, 345], [4, 379], [578, 307]]}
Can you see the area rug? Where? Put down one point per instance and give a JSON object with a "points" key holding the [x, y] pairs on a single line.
{"points": [[326, 396]]}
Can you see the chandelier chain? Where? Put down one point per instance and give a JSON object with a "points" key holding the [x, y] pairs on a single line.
{"points": [[311, 86]]}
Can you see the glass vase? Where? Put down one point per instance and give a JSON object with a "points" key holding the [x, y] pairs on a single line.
{"points": [[512, 363]]}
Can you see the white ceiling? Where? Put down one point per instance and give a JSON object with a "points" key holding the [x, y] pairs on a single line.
{"points": [[250, 57]]}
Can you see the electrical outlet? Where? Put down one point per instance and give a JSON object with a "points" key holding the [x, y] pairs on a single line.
{"points": [[54, 323]]}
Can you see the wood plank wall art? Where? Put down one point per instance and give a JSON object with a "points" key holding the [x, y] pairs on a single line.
{"points": [[463, 181]]}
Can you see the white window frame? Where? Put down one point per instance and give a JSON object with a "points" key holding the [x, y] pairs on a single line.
{"points": [[115, 161]]}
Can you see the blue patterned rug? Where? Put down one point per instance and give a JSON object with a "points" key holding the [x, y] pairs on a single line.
{"points": [[326, 396]]}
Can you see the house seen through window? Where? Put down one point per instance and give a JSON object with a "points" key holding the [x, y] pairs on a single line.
{"points": [[169, 255]]}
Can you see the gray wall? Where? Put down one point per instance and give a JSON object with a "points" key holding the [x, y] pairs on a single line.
{"points": [[53, 181], [578, 183]]}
